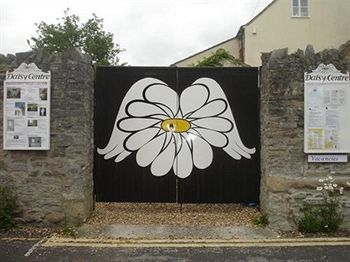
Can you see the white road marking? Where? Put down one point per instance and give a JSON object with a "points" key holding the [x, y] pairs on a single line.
{"points": [[30, 251]]}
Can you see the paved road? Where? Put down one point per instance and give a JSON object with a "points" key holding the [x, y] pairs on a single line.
{"points": [[17, 251]]}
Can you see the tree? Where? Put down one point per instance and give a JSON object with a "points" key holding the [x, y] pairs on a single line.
{"points": [[220, 58], [89, 37]]}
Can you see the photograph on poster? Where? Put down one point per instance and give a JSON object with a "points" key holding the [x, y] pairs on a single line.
{"points": [[34, 141], [20, 109], [42, 111], [10, 125], [16, 137], [13, 92], [43, 93], [32, 122], [32, 107]]}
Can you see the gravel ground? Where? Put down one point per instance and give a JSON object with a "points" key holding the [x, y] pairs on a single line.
{"points": [[148, 214], [172, 214], [162, 214], [27, 231]]}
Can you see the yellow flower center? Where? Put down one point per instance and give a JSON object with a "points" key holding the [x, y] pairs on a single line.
{"points": [[177, 125]]}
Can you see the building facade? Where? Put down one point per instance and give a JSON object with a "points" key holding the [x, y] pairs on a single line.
{"points": [[291, 24]]}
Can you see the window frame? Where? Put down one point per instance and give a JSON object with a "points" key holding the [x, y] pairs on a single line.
{"points": [[299, 7]]}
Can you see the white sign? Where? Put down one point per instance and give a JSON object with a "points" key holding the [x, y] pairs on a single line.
{"points": [[328, 158], [327, 111], [27, 109]]}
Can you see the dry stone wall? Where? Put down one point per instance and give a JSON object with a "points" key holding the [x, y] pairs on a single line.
{"points": [[55, 186], [288, 180]]}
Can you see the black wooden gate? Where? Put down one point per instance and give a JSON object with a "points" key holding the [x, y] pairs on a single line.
{"points": [[187, 135]]}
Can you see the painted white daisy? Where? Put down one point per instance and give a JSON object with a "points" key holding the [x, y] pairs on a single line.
{"points": [[171, 132]]}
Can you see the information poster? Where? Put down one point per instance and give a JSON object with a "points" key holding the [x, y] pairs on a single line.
{"points": [[27, 109], [327, 111]]}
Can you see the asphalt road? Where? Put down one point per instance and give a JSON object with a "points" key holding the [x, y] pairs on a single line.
{"points": [[24, 251]]}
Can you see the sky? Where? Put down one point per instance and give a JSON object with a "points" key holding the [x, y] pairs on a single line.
{"points": [[152, 32]]}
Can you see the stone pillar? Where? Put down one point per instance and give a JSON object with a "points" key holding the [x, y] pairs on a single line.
{"points": [[288, 180], [55, 186]]}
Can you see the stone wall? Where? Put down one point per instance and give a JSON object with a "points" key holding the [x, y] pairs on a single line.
{"points": [[55, 186], [288, 180]]}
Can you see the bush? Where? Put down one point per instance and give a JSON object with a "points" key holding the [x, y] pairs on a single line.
{"points": [[8, 206], [325, 216], [261, 220]]}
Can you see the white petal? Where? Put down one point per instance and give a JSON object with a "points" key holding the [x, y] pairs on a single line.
{"points": [[118, 136], [168, 112], [187, 137], [239, 150], [202, 153], [142, 108], [122, 156], [150, 151], [232, 153], [116, 151], [168, 139], [183, 163], [192, 98], [164, 161], [164, 95], [138, 139], [214, 138], [116, 141], [136, 124], [214, 123], [212, 108], [178, 142], [236, 144]]}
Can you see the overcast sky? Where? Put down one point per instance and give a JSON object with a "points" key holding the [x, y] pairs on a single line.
{"points": [[153, 32]]}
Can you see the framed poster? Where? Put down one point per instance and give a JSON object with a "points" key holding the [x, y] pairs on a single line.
{"points": [[27, 109], [327, 111]]}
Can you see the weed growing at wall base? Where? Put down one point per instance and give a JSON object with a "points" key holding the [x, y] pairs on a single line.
{"points": [[325, 216], [7, 208], [261, 220]]}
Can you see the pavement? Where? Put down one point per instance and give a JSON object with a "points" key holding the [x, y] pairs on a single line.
{"points": [[175, 235], [120, 235], [121, 231], [121, 242]]}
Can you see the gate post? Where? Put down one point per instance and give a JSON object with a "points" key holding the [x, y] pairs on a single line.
{"points": [[55, 186], [288, 180]]}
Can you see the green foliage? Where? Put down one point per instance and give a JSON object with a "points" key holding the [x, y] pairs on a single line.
{"points": [[89, 37], [7, 209], [219, 59], [261, 220], [326, 215], [323, 218], [69, 231]]}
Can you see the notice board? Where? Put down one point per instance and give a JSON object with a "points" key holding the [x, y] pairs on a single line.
{"points": [[327, 111], [26, 109]]}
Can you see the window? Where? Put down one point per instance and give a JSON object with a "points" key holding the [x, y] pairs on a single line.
{"points": [[300, 8]]}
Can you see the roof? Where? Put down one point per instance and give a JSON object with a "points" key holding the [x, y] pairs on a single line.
{"points": [[232, 38], [254, 18], [261, 12]]}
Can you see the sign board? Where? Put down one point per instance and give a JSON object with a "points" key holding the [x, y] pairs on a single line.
{"points": [[27, 109], [327, 111], [328, 158]]}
